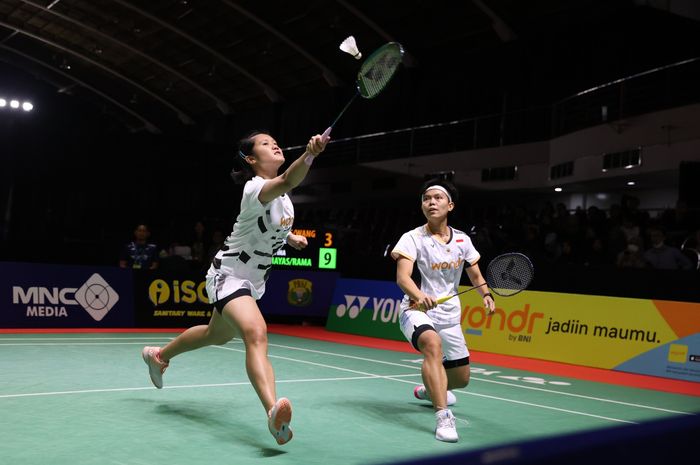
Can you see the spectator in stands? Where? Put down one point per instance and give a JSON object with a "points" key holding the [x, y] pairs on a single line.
{"points": [[199, 246], [596, 255], [633, 255], [237, 276], [662, 256], [139, 254], [217, 241], [569, 253]]}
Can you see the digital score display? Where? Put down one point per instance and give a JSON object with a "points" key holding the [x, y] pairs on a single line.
{"points": [[320, 254]]}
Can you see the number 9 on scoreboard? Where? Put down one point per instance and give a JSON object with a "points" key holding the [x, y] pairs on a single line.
{"points": [[327, 258]]}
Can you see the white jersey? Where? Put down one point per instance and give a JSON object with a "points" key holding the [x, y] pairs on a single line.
{"points": [[259, 232], [440, 265]]}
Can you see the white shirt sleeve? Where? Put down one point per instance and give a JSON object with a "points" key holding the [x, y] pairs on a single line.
{"points": [[406, 247], [251, 191], [471, 255]]}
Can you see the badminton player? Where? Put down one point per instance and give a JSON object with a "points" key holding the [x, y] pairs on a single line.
{"points": [[440, 253], [237, 275]]}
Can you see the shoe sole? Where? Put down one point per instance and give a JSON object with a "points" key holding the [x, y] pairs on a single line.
{"points": [[280, 418], [146, 360], [447, 439]]}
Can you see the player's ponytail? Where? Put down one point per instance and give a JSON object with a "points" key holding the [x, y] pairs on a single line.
{"points": [[245, 148]]}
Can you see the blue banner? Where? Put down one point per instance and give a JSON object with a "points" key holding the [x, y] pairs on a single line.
{"points": [[298, 293], [59, 296], [178, 299]]}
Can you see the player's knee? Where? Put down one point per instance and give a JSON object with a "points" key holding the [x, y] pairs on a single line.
{"points": [[432, 348], [255, 336]]}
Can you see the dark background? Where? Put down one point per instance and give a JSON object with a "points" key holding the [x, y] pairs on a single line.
{"points": [[78, 173]]}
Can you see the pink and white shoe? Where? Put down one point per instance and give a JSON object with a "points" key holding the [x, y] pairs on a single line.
{"points": [[280, 415], [421, 393], [156, 366]]}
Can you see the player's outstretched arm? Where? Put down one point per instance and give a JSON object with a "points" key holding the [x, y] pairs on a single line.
{"points": [[295, 174]]}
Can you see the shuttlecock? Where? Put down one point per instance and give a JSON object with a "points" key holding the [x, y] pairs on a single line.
{"points": [[349, 46]]}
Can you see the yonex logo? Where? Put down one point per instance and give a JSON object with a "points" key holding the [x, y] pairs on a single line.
{"points": [[96, 296], [349, 308], [384, 309]]}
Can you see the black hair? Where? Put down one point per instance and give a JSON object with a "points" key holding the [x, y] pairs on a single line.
{"points": [[454, 193], [245, 148]]}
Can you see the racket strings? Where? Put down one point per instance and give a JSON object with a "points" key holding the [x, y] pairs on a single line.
{"points": [[509, 274], [378, 70]]}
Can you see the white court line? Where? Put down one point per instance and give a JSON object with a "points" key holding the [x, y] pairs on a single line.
{"points": [[74, 343], [581, 396], [71, 338], [599, 399], [184, 386], [530, 404]]}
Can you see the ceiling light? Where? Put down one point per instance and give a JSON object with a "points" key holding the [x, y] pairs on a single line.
{"points": [[14, 103], [631, 183], [27, 106], [558, 189], [3, 102]]}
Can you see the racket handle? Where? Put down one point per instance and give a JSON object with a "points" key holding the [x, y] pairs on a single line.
{"points": [[326, 134], [441, 300]]}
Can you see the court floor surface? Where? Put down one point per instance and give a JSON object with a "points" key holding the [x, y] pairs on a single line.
{"points": [[86, 398]]}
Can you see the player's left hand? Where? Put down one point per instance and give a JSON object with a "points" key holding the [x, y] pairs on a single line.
{"points": [[489, 304], [297, 242]]}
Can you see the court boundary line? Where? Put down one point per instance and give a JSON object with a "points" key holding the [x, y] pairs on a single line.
{"points": [[531, 404], [143, 340], [599, 375]]}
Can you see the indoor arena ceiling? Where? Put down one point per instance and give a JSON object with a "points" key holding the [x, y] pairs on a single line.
{"points": [[164, 63]]}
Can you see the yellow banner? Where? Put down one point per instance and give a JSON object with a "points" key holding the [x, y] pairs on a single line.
{"points": [[585, 330]]}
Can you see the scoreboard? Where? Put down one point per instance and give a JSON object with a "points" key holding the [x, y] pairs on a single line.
{"points": [[320, 254]]}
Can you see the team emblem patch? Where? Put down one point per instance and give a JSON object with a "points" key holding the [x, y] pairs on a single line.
{"points": [[300, 292]]}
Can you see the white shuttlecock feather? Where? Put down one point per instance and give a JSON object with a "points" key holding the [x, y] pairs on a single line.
{"points": [[349, 46]]}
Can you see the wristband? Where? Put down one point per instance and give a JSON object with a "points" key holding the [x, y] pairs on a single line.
{"points": [[488, 294], [309, 159]]}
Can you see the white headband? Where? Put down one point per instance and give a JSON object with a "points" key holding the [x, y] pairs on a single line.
{"points": [[440, 188]]}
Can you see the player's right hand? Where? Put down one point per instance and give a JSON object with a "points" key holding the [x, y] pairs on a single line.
{"points": [[316, 145], [424, 303]]}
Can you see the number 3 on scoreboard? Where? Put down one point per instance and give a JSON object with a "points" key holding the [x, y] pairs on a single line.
{"points": [[329, 240]]}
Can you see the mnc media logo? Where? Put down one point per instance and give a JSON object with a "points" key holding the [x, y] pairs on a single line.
{"points": [[96, 297]]}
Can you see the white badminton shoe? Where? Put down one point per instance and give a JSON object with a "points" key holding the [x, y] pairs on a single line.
{"points": [[280, 415], [445, 428], [420, 392], [156, 366]]}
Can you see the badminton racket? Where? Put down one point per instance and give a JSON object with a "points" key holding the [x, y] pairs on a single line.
{"points": [[506, 275], [375, 73]]}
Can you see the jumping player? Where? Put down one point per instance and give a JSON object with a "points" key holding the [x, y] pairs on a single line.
{"points": [[236, 278]]}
